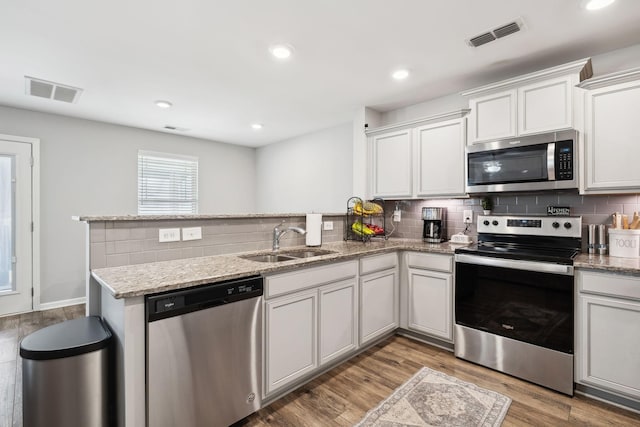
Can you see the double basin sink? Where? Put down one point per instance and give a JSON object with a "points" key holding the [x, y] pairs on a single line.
{"points": [[287, 255]]}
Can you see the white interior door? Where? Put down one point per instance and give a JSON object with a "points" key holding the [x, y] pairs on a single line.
{"points": [[16, 244]]}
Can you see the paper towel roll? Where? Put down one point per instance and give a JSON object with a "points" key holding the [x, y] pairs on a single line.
{"points": [[314, 229]]}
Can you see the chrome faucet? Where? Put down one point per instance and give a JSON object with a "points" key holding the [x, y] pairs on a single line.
{"points": [[278, 233]]}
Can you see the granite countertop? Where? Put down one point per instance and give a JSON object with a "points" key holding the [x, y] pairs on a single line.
{"points": [[142, 279], [608, 263], [97, 218]]}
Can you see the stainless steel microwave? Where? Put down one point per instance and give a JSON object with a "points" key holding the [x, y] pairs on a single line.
{"points": [[531, 163]]}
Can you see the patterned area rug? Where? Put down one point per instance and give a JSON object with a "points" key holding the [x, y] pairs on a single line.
{"points": [[431, 398]]}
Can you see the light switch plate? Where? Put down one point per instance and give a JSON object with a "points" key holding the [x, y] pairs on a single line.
{"points": [[169, 235], [192, 233], [327, 225]]}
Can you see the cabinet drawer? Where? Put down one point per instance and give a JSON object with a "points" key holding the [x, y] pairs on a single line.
{"points": [[310, 277], [436, 262], [617, 285], [378, 263]]}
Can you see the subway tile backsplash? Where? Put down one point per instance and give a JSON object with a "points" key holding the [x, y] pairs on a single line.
{"points": [[593, 209], [119, 243]]}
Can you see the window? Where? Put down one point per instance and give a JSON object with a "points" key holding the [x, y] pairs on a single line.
{"points": [[167, 184]]}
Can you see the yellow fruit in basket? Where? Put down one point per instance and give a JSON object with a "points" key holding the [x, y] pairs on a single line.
{"points": [[367, 208], [361, 229]]}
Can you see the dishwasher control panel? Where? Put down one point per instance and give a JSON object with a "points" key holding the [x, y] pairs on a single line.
{"points": [[174, 303]]}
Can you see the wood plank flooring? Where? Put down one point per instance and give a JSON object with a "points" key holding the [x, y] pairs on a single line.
{"points": [[342, 396], [12, 330]]}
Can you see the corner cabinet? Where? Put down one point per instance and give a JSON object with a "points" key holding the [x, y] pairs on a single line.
{"points": [[608, 332], [379, 296], [533, 103], [391, 164], [611, 133], [422, 158]]}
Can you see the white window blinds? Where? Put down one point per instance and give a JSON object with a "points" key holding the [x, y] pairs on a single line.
{"points": [[167, 184]]}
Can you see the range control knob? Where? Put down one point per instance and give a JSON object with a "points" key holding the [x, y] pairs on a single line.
{"points": [[485, 222], [555, 224], [494, 222], [567, 225]]}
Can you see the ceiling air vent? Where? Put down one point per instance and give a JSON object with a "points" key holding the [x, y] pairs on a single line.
{"points": [[176, 128], [496, 33], [50, 90]]}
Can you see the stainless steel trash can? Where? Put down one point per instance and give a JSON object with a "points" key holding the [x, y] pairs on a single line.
{"points": [[65, 374]]}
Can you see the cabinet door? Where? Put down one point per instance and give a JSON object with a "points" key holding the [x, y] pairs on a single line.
{"points": [[378, 304], [440, 158], [430, 303], [338, 320], [545, 106], [493, 116], [290, 338], [611, 138], [609, 344], [391, 164]]}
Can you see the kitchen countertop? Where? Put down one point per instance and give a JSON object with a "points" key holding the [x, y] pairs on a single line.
{"points": [[608, 263], [142, 279]]}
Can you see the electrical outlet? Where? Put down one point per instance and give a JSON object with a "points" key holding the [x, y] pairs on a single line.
{"points": [[397, 215], [192, 233], [328, 225], [468, 216], [169, 235]]}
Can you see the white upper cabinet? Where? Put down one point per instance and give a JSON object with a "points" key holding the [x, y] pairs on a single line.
{"points": [[421, 158], [440, 158], [391, 164], [534, 103], [612, 135], [493, 116], [546, 106]]}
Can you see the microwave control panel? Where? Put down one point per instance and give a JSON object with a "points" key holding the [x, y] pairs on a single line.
{"points": [[564, 160]]}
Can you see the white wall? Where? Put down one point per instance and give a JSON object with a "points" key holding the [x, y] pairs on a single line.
{"points": [[312, 172], [90, 168]]}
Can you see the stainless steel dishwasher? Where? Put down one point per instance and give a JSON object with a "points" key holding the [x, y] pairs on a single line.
{"points": [[204, 354]]}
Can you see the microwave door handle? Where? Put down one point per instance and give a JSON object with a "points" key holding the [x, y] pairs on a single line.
{"points": [[551, 161]]}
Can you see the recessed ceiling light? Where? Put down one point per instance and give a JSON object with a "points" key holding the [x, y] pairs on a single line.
{"points": [[281, 51], [164, 104], [256, 126], [597, 4], [400, 74]]}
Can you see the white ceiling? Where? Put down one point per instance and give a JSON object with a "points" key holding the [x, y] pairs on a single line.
{"points": [[210, 57]]}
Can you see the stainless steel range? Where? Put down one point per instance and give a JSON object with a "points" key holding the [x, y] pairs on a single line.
{"points": [[514, 297]]}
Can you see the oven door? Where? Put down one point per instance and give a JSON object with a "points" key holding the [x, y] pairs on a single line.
{"points": [[526, 301]]}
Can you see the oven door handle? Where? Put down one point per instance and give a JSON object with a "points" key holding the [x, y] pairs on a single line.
{"points": [[542, 267]]}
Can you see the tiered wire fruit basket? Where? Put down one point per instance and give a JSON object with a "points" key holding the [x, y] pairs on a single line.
{"points": [[365, 220]]}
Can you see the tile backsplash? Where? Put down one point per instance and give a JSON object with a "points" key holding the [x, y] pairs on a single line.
{"points": [[593, 209]]}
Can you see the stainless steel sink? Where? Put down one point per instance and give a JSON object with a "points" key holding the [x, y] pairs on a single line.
{"points": [[287, 255], [268, 257], [306, 253]]}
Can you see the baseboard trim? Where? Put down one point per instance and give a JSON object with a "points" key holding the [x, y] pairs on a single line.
{"points": [[62, 303]]}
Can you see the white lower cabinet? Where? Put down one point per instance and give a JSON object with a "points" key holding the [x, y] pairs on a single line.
{"points": [[429, 294], [608, 332], [291, 332], [338, 320], [379, 297], [310, 319]]}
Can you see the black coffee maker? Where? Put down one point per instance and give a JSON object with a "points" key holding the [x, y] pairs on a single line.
{"points": [[435, 225]]}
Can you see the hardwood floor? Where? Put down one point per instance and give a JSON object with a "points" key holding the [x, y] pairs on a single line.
{"points": [[12, 330], [342, 396]]}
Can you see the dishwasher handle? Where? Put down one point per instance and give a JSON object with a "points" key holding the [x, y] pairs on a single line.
{"points": [[175, 303]]}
